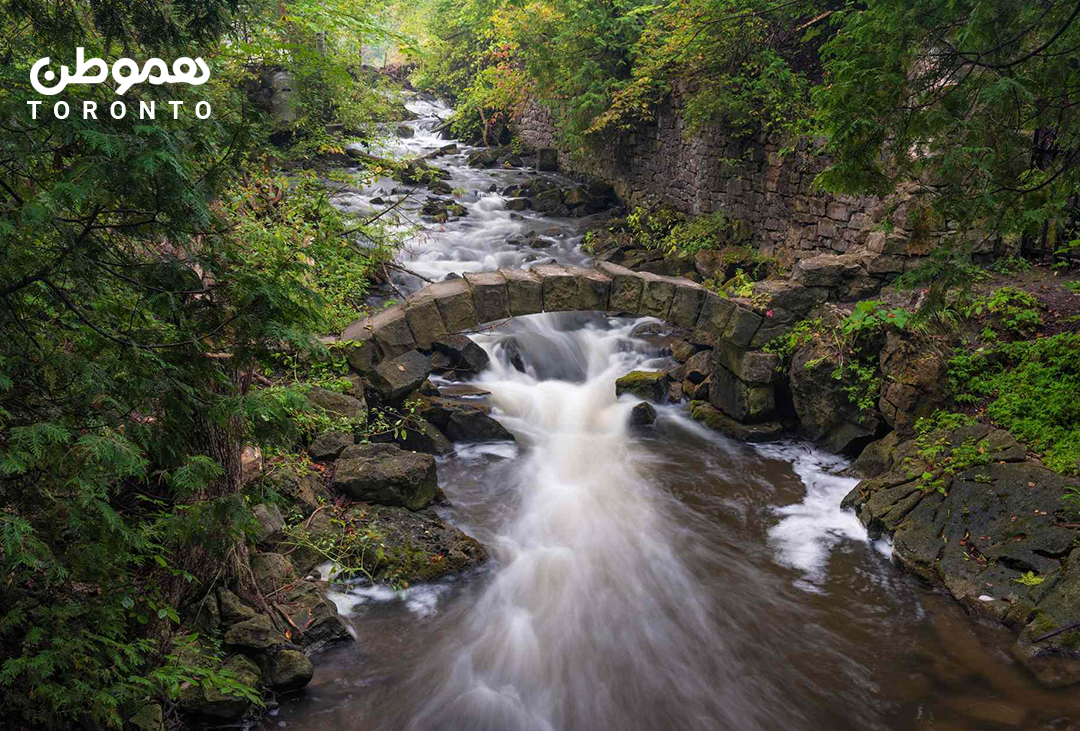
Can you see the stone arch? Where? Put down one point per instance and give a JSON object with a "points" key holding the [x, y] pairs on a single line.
{"points": [[743, 378]]}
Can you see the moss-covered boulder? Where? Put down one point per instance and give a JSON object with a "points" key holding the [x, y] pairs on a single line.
{"points": [[646, 385], [288, 670]]}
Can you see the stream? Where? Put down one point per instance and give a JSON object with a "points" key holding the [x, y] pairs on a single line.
{"points": [[668, 578]]}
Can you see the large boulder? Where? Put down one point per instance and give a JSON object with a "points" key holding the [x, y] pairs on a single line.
{"points": [[417, 546], [547, 159], [647, 385], [302, 486], [387, 475], [314, 619], [914, 372], [825, 410], [642, 415], [288, 670], [272, 571], [268, 523], [256, 632], [463, 421], [420, 436], [463, 357], [401, 375], [328, 445], [473, 425], [338, 404], [717, 420]]}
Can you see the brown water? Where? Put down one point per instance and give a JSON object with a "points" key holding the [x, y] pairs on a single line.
{"points": [[671, 579]]}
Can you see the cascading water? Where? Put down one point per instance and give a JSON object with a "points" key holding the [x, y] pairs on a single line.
{"points": [[667, 578]]}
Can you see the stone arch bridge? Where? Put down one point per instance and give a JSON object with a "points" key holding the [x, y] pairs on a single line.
{"points": [[743, 381]]}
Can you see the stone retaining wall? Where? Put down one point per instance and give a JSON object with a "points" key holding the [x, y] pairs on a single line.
{"points": [[771, 195]]}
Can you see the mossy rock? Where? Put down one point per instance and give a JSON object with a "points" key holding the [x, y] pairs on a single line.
{"points": [[647, 385], [416, 547]]}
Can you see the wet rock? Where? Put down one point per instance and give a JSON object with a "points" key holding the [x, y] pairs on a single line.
{"points": [[742, 401], [647, 385], [547, 159], [419, 546], [211, 703], [420, 436], [387, 475], [464, 356], [336, 403], [826, 413], [398, 376], [254, 633], [547, 201], [268, 522], [272, 571], [317, 618], [642, 415], [675, 392], [697, 368], [404, 131], [696, 391], [877, 457], [749, 366], [681, 350], [484, 158], [473, 425], [518, 204], [447, 150], [288, 670], [717, 420], [328, 445]]}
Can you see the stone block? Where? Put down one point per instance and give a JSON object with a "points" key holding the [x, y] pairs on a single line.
{"points": [[391, 331], [425, 322], [490, 299], [713, 320], [686, 303], [453, 298], [626, 288], [362, 351], [743, 402], [742, 327], [656, 296], [524, 291], [750, 366], [560, 288], [593, 287]]}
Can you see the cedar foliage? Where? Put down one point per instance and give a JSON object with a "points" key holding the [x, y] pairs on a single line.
{"points": [[147, 270]]}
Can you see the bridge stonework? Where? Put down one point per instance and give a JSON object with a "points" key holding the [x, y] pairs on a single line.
{"points": [[744, 388]]}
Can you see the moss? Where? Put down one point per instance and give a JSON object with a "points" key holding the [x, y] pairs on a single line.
{"points": [[641, 378]]}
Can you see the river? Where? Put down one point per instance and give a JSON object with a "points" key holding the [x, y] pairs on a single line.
{"points": [[661, 579]]}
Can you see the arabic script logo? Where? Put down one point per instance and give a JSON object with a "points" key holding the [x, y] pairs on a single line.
{"points": [[125, 72]]}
